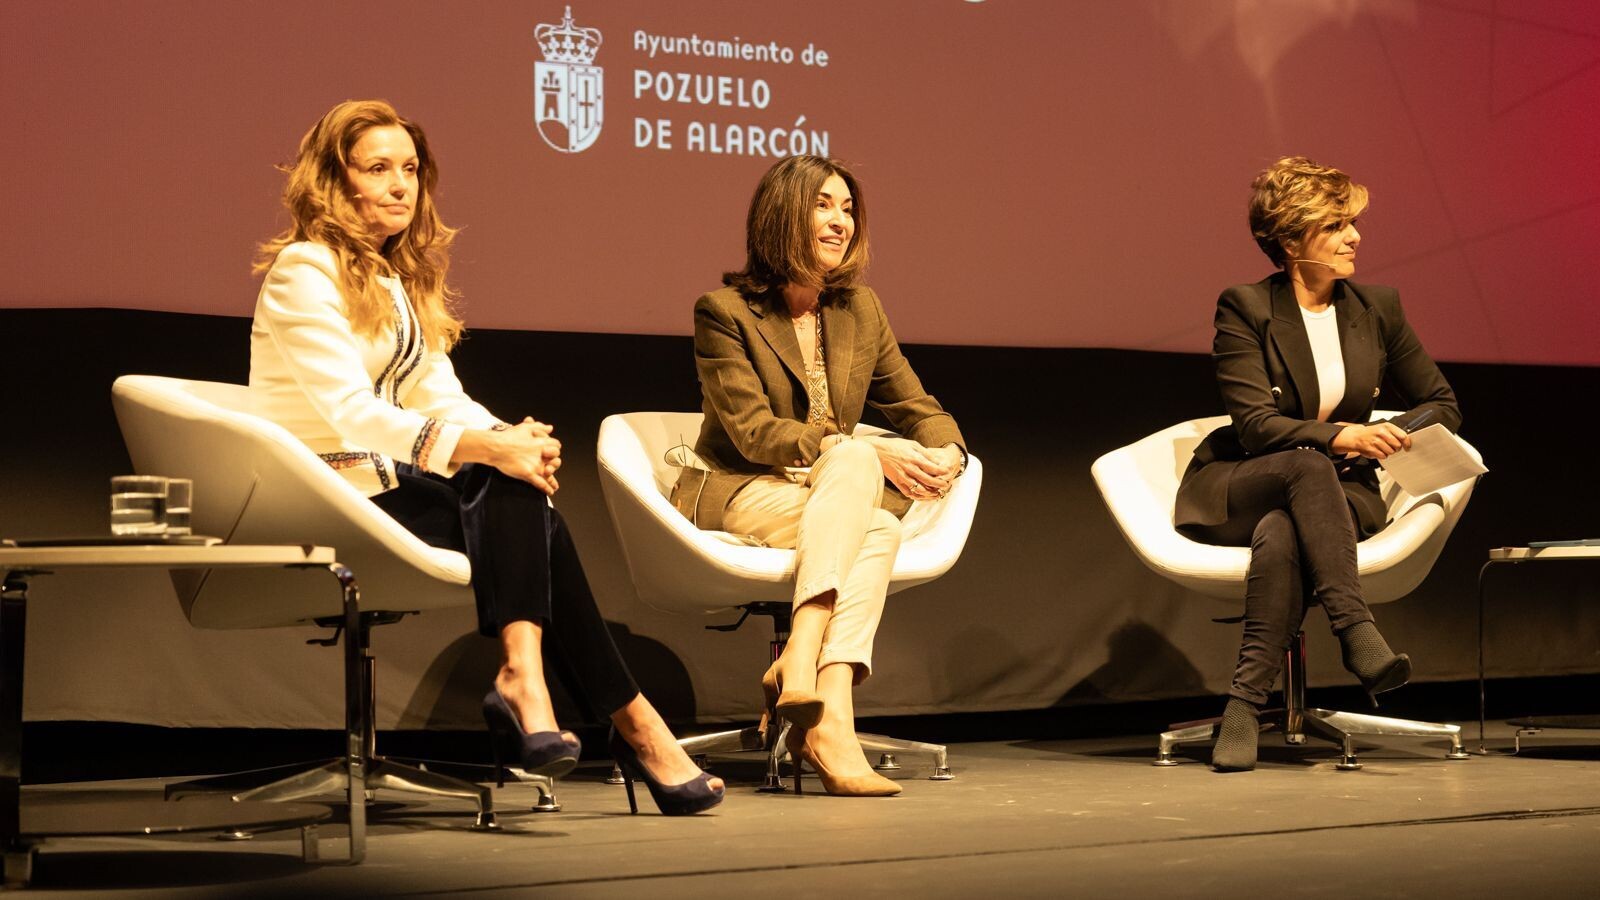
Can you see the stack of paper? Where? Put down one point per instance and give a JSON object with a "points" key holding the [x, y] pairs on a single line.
{"points": [[1437, 459]]}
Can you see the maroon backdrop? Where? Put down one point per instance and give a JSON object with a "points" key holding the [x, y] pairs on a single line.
{"points": [[1038, 174]]}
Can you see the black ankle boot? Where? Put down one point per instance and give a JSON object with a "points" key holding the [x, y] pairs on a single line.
{"points": [[1235, 750], [1368, 657]]}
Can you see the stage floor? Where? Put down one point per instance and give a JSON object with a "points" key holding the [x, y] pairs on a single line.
{"points": [[1089, 817]]}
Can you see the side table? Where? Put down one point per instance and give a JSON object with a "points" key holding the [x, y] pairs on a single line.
{"points": [[1515, 555], [18, 835]]}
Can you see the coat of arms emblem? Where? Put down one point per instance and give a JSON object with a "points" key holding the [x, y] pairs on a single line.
{"points": [[568, 91]]}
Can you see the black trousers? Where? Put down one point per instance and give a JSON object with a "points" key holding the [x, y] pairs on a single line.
{"points": [[524, 568], [1290, 510]]}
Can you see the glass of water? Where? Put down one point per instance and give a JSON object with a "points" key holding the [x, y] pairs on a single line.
{"points": [[180, 492], [138, 504]]}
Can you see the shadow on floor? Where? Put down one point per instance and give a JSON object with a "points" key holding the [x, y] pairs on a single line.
{"points": [[161, 868]]}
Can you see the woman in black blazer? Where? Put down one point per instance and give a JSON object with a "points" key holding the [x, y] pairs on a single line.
{"points": [[1300, 357]]}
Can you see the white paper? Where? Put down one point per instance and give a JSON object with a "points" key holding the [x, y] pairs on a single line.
{"points": [[1437, 459]]}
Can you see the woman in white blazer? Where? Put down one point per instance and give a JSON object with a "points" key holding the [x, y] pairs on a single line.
{"points": [[349, 352]]}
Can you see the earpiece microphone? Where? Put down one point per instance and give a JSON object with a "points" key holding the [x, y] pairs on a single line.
{"points": [[1315, 262]]}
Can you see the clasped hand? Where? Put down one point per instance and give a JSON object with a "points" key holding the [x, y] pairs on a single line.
{"points": [[528, 452], [921, 473], [1377, 440]]}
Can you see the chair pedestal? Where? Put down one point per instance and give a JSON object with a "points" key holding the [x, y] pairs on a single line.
{"points": [[1296, 721], [363, 766], [288, 783]]}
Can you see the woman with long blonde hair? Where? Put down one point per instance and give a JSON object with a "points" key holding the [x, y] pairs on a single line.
{"points": [[349, 352]]}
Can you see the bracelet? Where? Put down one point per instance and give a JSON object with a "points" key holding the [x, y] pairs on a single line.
{"points": [[963, 451]]}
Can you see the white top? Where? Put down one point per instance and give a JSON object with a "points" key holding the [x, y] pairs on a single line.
{"points": [[358, 402], [1323, 330]]}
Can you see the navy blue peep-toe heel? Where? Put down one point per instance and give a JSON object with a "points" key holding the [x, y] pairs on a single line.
{"points": [[693, 796], [546, 753]]}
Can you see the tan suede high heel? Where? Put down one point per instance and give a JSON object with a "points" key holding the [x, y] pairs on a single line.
{"points": [[869, 785], [802, 708]]}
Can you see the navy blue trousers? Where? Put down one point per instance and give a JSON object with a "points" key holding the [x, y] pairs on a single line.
{"points": [[524, 568]]}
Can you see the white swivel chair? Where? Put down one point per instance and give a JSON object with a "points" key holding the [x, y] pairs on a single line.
{"points": [[1139, 483], [255, 483], [678, 568]]}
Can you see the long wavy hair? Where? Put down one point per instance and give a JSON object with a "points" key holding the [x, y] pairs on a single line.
{"points": [[317, 196], [780, 234]]}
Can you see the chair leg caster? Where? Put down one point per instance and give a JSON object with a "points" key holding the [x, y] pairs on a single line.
{"points": [[1348, 762], [887, 763], [773, 785], [616, 775], [486, 821], [547, 801], [1184, 733], [940, 773]]}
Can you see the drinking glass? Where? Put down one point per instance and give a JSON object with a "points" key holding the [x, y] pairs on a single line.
{"points": [[138, 504], [180, 491]]}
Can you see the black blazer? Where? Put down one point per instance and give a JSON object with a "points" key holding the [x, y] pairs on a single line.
{"points": [[1268, 381]]}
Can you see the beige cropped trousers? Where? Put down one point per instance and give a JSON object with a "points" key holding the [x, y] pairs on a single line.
{"points": [[843, 542]]}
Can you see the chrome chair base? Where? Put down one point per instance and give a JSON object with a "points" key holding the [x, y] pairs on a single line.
{"points": [[889, 746], [332, 777], [1295, 720], [753, 739], [363, 769], [740, 740], [1342, 728], [1186, 733]]}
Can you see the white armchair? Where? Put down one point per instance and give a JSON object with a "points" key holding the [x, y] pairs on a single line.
{"points": [[676, 567], [255, 483], [1139, 484]]}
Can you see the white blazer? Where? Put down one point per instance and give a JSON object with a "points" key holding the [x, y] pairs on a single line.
{"points": [[358, 402]]}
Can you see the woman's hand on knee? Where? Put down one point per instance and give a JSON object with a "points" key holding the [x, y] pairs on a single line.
{"points": [[1377, 440], [912, 468], [525, 451]]}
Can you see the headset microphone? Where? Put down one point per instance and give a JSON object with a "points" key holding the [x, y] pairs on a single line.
{"points": [[1315, 262]]}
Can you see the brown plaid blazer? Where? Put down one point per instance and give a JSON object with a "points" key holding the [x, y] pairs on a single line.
{"points": [[752, 380]]}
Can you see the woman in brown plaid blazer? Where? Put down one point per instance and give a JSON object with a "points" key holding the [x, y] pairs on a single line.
{"points": [[788, 353]]}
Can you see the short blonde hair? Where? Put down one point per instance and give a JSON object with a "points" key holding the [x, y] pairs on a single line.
{"points": [[317, 196], [1295, 195]]}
